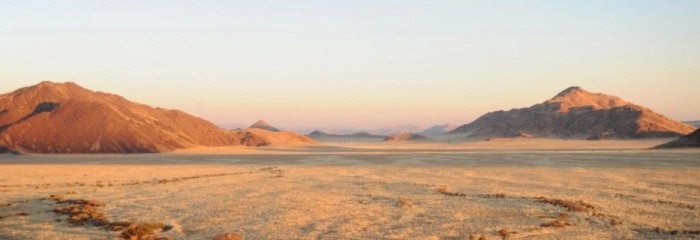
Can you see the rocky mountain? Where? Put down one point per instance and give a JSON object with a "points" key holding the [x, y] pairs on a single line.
{"points": [[260, 124], [438, 129], [691, 140], [406, 137], [577, 113], [67, 118]]}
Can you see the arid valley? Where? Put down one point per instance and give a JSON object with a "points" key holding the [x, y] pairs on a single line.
{"points": [[615, 189]]}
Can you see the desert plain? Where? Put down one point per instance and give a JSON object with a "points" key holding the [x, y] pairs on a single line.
{"points": [[500, 189]]}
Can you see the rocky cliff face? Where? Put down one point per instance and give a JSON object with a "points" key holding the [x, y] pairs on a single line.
{"points": [[577, 113]]}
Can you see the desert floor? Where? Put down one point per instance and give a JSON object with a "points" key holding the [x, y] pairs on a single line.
{"points": [[608, 190]]}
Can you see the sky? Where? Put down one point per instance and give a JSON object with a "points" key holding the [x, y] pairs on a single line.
{"points": [[361, 64]]}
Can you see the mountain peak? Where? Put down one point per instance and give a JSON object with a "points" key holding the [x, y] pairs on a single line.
{"points": [[55, 91], [575, 97], [571, 90], [50, 84], [260, 124]]}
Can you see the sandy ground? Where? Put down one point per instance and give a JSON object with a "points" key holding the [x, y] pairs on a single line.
{"points": [[366, 191]]}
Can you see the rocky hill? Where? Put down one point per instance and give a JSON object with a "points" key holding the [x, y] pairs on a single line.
{"points": [[67, 118], [577, 113]]}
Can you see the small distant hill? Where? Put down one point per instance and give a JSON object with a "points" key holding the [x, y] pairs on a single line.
{"points": [[407, 137], [319, 134], [260, 137], [260, 124], [438, 129], [691, 140], [577, 113]]}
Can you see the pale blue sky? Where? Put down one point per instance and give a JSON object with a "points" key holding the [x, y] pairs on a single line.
{"points": [[357, 63]]}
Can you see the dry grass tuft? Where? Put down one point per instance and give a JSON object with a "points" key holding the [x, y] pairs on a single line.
{"points": [[497, 195], [81, 211], [579, 206], [228, 236], [14, 214], [615, 222], [677, 204], [505, 233], [140, 231], [659, 231], [56, 197], [560, 222], [404, 202], [474, 237], [444, 190]]}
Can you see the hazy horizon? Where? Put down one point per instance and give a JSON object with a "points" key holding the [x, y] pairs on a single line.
{"points": [[361, 64]]}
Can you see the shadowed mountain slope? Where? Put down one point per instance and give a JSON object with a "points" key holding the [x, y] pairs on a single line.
{"points": [[688, 141]]}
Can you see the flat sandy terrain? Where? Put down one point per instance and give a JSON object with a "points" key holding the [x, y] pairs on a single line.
{"points": [[608, 190]]}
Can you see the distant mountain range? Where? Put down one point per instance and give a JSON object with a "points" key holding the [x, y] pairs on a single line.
{"points": [[391, 130], [577, 113], [67, 118], [319, 135], [438, 129], [386, 131]]}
